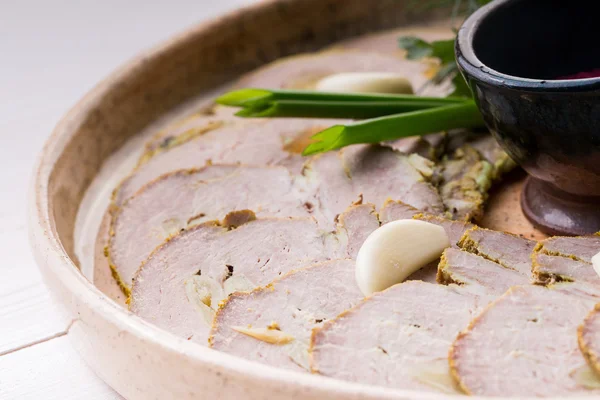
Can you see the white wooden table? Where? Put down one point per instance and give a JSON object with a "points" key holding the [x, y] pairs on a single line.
{"points": [[51, 53]]}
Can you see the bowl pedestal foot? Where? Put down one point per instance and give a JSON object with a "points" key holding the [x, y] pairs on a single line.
{"points": [[556, 212]]}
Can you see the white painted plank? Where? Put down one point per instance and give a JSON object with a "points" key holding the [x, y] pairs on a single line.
{"points": [[28, 313], [51, 371]]}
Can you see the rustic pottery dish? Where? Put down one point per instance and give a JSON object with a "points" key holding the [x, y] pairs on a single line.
{"points": [[137, 359], [515, 53]]}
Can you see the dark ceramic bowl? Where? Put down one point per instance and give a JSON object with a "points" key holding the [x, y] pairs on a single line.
{"points": [[513, 54]]}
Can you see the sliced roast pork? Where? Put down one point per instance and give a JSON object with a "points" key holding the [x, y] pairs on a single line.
{"points": [[454, 229], [209, 261], [263, 142], [464, 179], [566, 259], [394, 210], [463, 268], [400, 337], [525, 344], [429, 146], [490, 150], [375, 170], [184, 198], [509, 250], [273, 324], [373, 173], [548, 269], [182, 129], [180, 285], [581, 248], [144, 175], [396, 338], [354, 226]]}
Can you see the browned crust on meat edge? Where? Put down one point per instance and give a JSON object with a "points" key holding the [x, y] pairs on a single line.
{"points": [[590, 356], [217, 223], [467, 243], [541, 277], [317, 331], [115, 274], [269, 286], [116, 211], [443, 277], [454, 347], [540, 248], [181, 139]]}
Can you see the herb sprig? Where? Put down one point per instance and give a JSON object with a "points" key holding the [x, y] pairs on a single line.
{"points": [[386, 117], [261, 103]]}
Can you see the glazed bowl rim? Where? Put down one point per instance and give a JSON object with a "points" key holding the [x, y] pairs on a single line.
{"points": [[472, 66]]}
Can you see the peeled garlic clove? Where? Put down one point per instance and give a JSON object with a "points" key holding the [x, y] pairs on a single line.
{"points": [[596, 263], [422, 164], [272, 336], [237, 283], [298, 353], [365, 82], [586, 377], [435, 374], [201, 290], [396, 250], [171, 226]]}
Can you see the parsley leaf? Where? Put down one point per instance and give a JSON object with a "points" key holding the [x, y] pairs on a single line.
{"points": [[418, 48]]}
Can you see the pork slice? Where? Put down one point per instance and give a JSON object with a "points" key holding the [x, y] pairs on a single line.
{"points": [[463, 268], [581, 248], [566, 259], [509, 250], [370, 173], [490, 150], [381, 173], [305, 70], [291, 306], [251, 255], [182, 129], [548, 269], [454, 229], [393, 210], [354, 226], [396, 338], [430, 146], [241, 254], [181, 199], [457, 139], [588, 336], [158, 166], [464, 179], [427, 273], [263, 142], [413, 144], [525, 344]]}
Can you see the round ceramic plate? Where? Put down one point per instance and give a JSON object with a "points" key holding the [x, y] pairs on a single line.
{"points": [[137, 359]]}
